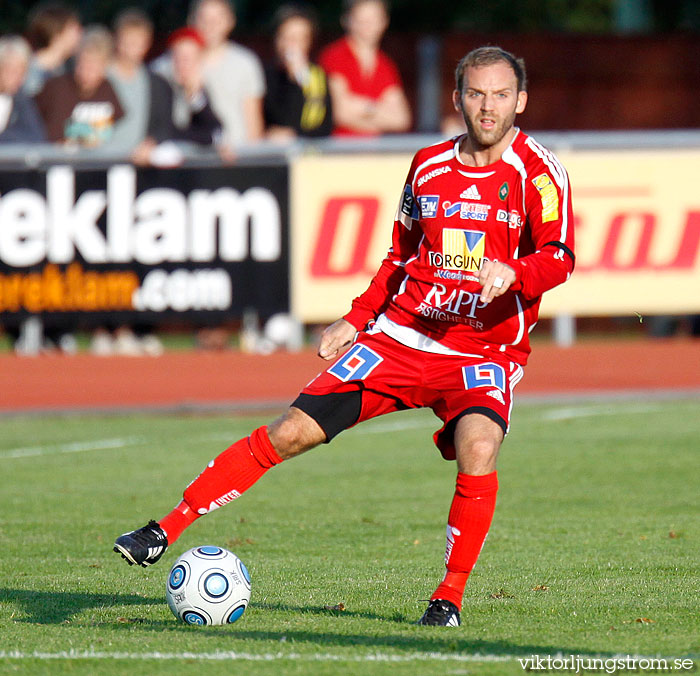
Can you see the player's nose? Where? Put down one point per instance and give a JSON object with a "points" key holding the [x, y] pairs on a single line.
{"points": [[487, 102]]}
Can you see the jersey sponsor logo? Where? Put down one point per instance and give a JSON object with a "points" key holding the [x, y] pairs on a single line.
{"points": [[461, 250], [503, 191], [512, 218], [356, 364], [484, 375], [549, 197], [451, 208], [408, 208], [428, 205], [436, 314], [471, 193], [432, 174], [467, 210], [455, 276], [452, 305], [408, 203]]}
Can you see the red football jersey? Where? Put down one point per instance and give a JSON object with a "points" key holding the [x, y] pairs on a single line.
{"points": [[453, 217]]}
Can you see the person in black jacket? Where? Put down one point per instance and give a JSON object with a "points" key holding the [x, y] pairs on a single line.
{"points": [[190, 114], [193, 115], [297, 102], [19, 119]]}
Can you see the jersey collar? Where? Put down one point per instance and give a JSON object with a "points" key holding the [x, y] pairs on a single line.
{"points": [[455, 149]]}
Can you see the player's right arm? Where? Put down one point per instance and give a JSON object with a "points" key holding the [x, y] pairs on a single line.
{"points": [[335, 337]]}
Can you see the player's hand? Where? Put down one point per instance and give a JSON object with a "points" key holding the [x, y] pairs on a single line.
{"points": [[495, 278], [335, 337]]}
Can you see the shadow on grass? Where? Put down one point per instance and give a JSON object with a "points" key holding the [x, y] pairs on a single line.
{"points": [[422, 640], [56, 607], [61, 607], [412, 640], [326, 612]]}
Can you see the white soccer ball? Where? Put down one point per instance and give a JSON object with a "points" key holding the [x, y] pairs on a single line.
{"points": [[208, 585]]}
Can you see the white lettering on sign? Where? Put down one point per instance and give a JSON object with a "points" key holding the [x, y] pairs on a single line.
{"points": [[159, 225]]}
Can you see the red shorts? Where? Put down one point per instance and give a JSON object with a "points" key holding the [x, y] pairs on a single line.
{"points": [[393, 377]]}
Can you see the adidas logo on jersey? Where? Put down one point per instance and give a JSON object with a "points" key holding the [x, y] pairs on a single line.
{"points": [[497, 395], [471, 193]]}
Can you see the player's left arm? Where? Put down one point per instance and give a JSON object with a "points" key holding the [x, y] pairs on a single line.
{"points": [[551, 226]]}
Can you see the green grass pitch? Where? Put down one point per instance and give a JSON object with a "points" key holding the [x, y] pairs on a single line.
{"points": [[593, 549]]}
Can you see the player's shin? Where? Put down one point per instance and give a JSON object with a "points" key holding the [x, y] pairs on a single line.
{"points": [[468, 524], [224, 479]]}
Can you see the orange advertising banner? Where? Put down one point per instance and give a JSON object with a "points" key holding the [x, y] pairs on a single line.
{"points": [[637, 219], [342, 214]]}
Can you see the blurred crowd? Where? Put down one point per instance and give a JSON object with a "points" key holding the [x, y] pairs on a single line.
{"points": [[92, 86]]}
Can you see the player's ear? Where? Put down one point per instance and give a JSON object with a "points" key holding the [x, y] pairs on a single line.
{"points": [[457, 100], [522, 102]]}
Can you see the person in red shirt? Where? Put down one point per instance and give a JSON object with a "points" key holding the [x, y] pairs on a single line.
{"points": [[484, 227], [366, 89]]}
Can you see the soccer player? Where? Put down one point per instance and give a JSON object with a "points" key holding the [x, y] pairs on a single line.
{"points": [[484, 227]]}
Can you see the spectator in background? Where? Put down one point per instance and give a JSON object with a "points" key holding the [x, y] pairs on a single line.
{"points": [[297, 100], [193, 115], [81, 108], [366, 88], [19, 118], [54, 32], [234, 76], [145, 97]]}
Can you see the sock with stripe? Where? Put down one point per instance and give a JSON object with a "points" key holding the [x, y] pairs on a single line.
{"points": [[468, 525], [224, 479]]}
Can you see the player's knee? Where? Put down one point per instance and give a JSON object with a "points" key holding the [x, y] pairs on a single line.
{"points": [[483, 449], [478, 456], [293, 433], [477, 440]]}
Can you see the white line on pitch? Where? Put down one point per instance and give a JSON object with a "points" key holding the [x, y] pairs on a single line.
{"points": [[571, 412], [279, 656], [254, 657], [74, 447], [396, 426]]}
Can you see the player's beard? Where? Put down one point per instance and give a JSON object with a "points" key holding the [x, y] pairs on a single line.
{"points": [[485, 138]]}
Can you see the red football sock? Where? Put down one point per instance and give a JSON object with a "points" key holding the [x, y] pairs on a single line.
{"points": [[176, 521], [224, 479], [467, 527]]}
